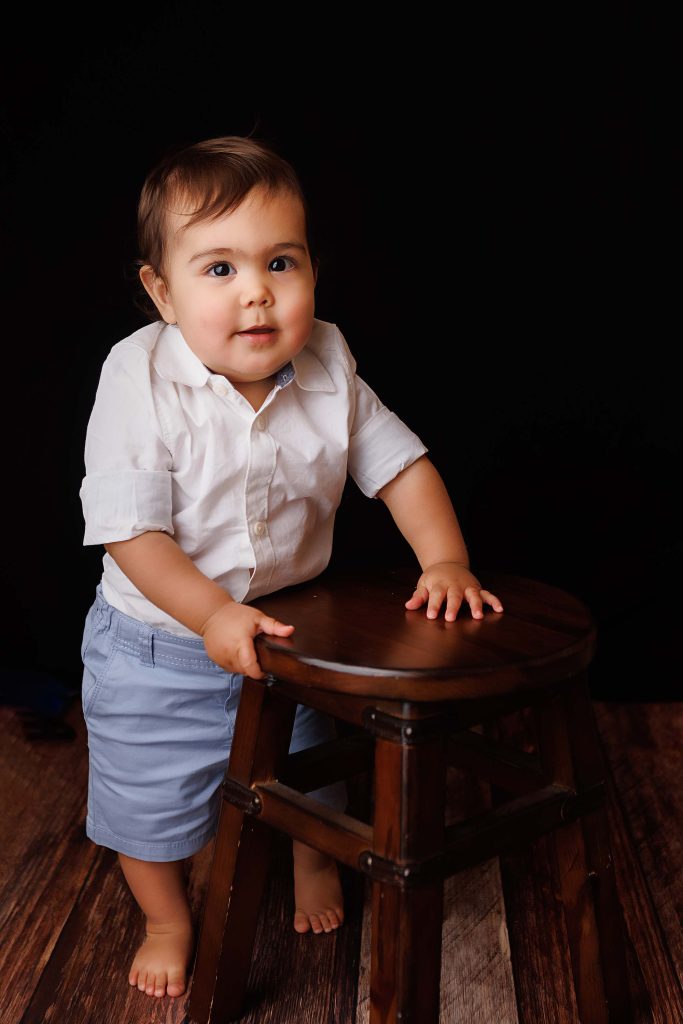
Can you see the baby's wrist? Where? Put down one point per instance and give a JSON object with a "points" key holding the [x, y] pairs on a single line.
{"points": [[447, 561], [225, 603]]}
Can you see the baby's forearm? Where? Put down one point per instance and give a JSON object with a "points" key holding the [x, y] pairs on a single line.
{"points": [[168, 578], [421, 508]]}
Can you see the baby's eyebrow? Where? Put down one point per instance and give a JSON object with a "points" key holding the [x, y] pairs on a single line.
{"points": [[226, 251]]}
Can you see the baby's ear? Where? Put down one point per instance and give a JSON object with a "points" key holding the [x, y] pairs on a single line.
{"points": [[158, 292]]}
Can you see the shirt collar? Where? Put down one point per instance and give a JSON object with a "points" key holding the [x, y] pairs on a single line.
{"points": [[174, 360]]}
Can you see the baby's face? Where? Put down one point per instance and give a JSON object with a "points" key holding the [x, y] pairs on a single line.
{"points": [[247, 268]]}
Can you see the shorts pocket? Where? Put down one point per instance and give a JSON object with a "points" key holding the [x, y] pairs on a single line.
{"points": [[99, 650], [93, 622]]}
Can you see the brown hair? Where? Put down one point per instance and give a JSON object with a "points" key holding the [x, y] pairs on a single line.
{"points": [[215, 176]]}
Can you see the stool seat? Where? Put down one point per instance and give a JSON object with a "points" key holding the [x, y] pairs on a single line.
{"points": [[354, 635], [414, 687]]}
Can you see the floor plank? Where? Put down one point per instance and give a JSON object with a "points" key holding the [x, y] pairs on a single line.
{"points": [[644, 746], [45, 857], [70, 926]]}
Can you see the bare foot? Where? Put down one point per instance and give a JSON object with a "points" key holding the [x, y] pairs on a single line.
{"points": [[318, 899], [160, 965]]}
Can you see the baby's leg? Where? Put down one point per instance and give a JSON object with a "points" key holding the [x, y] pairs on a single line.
{"points": [[159, 739], [160, 965], [318, 898]]}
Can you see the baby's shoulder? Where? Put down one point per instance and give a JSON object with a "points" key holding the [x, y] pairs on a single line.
{"points": [[128, 372], [328, 344], [140, 343]]}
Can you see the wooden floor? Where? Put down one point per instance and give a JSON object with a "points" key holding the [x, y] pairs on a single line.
{"points": [[70, 927]]}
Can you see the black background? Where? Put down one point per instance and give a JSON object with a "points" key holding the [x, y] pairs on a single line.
{"points": [[499, 212]]}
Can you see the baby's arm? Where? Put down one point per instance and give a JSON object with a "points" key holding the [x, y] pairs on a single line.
{"points": [[421, 508], [168, 578]]}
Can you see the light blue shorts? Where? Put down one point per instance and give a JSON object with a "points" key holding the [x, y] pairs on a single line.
{"points": [[160, 716]]}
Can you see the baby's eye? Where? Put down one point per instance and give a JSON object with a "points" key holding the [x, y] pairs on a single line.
{"points": [[220, 269], [279, 258]]}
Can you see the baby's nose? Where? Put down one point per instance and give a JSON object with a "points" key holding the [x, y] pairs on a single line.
{"points": [[256, 291]]}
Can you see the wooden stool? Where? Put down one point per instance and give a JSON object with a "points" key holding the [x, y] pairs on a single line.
{"points": [[414, 687]]}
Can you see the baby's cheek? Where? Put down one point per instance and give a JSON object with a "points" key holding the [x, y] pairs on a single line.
{"points": [[210, 321]]}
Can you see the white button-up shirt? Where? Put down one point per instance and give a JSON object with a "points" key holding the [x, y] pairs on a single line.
{"points": [[249, 496]]}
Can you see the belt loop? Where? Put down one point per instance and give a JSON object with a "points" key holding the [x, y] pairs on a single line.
{"points": [[146, 641]]}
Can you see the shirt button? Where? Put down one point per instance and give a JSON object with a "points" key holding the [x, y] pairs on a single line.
{"points": [[259, 528], [220, 389], [260, 422]]}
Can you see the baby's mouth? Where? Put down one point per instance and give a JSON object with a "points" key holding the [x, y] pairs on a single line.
{"points": [[257, 330]]}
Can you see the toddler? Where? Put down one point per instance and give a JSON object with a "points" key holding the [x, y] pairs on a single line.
{"points": [[216, 455]]}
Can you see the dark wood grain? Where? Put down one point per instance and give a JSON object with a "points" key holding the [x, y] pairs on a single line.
{"points": [[644, 744], [69, 936], [375, 647]]}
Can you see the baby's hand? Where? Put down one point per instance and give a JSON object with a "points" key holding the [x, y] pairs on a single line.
{"points": [[229, 637], [451, 581]]}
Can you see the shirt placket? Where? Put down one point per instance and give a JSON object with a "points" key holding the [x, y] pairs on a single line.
{"points": [[262, 456]]}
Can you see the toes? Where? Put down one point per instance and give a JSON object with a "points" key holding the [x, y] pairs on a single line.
{"points": [[157, 985], [301, 922], [323, 921], [316, 923], [176, 984]]}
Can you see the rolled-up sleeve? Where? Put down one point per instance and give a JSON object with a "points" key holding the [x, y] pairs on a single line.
{"points": [[380, 445], [127, 487]]}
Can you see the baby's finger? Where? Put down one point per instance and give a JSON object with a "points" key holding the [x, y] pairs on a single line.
{"points": [[492, 600], [475, 603], [274, 627], [452, 605], [246, 655], [436, 596], [420, 595]]}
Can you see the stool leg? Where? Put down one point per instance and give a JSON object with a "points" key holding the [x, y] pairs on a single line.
{"points": [[409, 825], [263, 732], [570, 753]]}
